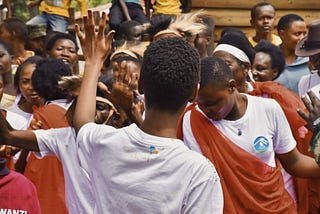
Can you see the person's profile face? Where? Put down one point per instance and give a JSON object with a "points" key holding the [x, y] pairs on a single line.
{"points": [[262, 67], [215, 102], [5, 35], [5, 60], [315, 61], [264, 19], [239, 71], [26, 87], [65, 50]]}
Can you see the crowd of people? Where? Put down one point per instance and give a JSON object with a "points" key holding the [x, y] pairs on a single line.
{"points": [[160, 119]]}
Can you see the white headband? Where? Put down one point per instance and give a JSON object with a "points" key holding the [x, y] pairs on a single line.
{"points": [[234, 51]]}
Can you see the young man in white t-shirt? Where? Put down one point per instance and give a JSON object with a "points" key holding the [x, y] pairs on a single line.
{"points": [[144, 169]]}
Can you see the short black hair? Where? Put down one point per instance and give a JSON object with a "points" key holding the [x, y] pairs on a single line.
{"points": [[240, 41], [286, 20], [169, 73], [124, 29], [158, 23], [30, 60], [254, 8], [46, 76], [276, 55], [18, 26], [6, 47], [214, 70], [59, 35]]}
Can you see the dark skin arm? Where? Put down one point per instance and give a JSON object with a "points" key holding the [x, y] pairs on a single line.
{"points": [[148, 6], [21, 139], [125, 9]]}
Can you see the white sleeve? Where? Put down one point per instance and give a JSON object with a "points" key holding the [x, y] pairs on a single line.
{"points": [[284, 141], [188, 137], [51, 141], [206, 197]]}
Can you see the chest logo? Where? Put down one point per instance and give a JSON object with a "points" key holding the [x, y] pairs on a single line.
{"points": [[261, 144]]}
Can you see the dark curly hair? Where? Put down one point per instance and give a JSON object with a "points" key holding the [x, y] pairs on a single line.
{"points": [[46, 76], [169, 73], [276, 55], [30, 60], [240, 41], [214, 70], [286, 20]]}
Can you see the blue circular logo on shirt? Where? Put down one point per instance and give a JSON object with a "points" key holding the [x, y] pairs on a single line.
{"points": [[261, 144]]}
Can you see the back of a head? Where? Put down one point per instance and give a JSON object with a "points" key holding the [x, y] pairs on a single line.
{"points": [[276, 55], [46, 76], [254, 8], [169, 73], [125, 29], [239, 41], [214, 71], [286, 20], [18, 26]]}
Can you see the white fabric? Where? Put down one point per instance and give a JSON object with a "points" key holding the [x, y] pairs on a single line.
{"points": [[28, 116], [134, 172], [62, 143], [263, 117], [234, 51], [16, 121], [308, 81]]}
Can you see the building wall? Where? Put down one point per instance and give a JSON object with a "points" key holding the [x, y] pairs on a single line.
{"points": [[236, 13]]}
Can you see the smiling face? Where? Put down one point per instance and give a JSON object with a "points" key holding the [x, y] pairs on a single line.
{"points": [[64, 49], [5, 60], [264, 19], [262, 68]]}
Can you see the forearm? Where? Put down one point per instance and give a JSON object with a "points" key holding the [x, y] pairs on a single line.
{"points": [[86, 103], [24, 140], [125, 10]]}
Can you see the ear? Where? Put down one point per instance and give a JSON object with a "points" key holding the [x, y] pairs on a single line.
{"points": [[232, 86], [194, 93], [275, 73], [252, 22]]}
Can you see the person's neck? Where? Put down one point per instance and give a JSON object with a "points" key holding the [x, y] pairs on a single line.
{"points": [[259, 36], [25, 106], [289, 54], [160, 123], [19, 53], [239, 108]]}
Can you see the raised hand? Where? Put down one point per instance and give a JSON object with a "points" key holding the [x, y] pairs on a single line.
{"points": [[313, 107], [94, 44]]}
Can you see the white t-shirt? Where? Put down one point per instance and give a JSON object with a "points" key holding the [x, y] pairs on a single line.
{"points": [[62, 143], [134, 172], [264, 132]]}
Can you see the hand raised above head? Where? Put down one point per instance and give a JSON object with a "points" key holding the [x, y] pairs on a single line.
{"points": [[95, 45]]}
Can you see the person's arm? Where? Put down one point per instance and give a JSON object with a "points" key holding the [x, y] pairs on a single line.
{"points": [[21, 139], [95, 49], [83, 7], [186, 6], [8, 6], [125, 10], [299, 165]]}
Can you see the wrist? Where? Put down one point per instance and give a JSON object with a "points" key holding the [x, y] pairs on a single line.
{"points": [[316, 123]]}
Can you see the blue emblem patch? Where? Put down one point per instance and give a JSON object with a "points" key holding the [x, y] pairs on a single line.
{"points": [[261, 144]]}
